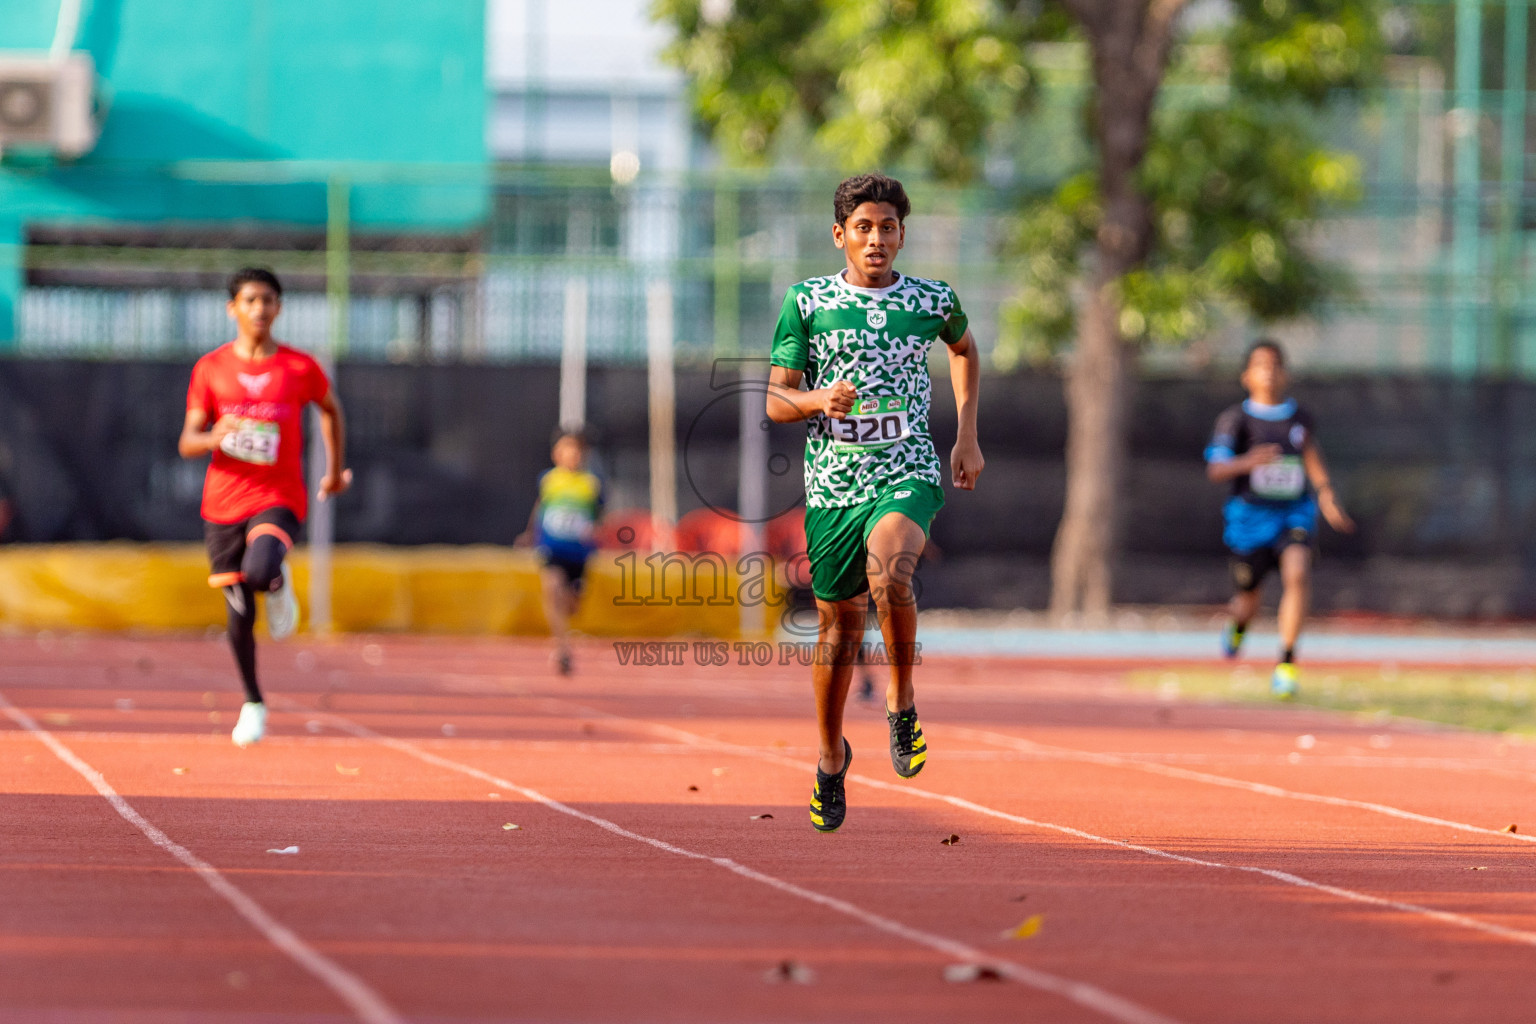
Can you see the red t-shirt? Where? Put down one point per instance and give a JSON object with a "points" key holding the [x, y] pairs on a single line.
{"points": [[261, 464]]}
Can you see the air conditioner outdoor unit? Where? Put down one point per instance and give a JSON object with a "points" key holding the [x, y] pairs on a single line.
{"points": [[48, 104]]}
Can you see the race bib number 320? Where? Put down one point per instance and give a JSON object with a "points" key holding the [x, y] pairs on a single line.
{"points": [[253, 441], [875, 422], [1281, 480]]}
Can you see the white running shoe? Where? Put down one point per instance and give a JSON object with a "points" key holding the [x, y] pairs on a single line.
{"points": [[252, 725], [283, 608]]}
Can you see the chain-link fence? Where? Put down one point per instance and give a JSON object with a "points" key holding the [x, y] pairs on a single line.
{"points": [[1424, 299]]}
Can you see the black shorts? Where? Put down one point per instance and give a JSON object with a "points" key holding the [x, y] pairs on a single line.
{"points": [[1249, 570], [573, 568], [226, 542]]}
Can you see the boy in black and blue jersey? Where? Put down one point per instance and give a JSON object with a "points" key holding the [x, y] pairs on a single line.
{"points": [[1266, 449]]}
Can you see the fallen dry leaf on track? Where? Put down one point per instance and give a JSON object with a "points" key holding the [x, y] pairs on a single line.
{"points": [[494, 796], [1028, 929], [962, 973], [509, 827], [951, 841], [286, 849], [1020, 898], [791, 971], [761, 817], [693, 789], [1511, 828], [178, 771], [347, 771], [1477, 869]]}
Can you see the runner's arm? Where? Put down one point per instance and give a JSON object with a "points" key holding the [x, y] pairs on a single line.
{"points": [[1219, 471], [333, 435], [1327, 503], [965, 461], [786, 403], [195, 441], [525, 539]]}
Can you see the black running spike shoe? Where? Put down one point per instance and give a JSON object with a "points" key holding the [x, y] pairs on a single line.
{"points": [[829, 804], [908, 748]]}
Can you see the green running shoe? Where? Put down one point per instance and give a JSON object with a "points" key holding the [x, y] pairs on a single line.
{"points": [[829, 804], [1283, 683], [909, 750], [1232, 640]]}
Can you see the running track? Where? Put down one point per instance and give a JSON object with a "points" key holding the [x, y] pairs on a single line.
{"points": [[1190, 862]]}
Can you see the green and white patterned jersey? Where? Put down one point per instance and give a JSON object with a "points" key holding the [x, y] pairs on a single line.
{"points": [[878, 341]]}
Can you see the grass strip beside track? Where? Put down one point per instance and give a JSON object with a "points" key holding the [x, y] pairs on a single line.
{"points": [[1491, 700]]}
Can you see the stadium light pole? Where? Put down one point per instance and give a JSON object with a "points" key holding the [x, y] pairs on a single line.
{"points": [[338, 294], [662, 393], [1512, 182], [751, 437], [1466, 235], [573, 355]]}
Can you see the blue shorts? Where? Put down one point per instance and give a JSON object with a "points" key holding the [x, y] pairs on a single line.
{"points": [[1252, 526]]}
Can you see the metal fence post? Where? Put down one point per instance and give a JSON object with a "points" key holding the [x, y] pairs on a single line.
{"points": [[338, 294], [1466, 238]]}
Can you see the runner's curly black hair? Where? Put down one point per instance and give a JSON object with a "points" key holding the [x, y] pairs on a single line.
{"points": [[869, 188]]}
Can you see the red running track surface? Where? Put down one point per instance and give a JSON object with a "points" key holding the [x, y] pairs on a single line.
{"points": [[1188, 862]]}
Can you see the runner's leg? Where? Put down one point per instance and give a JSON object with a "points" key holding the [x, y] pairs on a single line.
{"points": [[895, 544], [1296, 578], [262, 565], [240, 602], [840, 631], [558, 602], [1243, 607]]}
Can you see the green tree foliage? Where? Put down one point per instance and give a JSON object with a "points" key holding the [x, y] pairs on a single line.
{"points": [[1234, 180], [916, 80]]}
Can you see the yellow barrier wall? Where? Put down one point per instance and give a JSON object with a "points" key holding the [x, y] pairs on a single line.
{"points": [[467, 590]]}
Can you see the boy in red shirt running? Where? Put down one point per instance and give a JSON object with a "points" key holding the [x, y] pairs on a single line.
{"points": [[253, 391]]}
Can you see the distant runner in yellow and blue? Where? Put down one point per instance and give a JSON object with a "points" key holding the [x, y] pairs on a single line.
{"points": [[562, 528], [1266, 449]]}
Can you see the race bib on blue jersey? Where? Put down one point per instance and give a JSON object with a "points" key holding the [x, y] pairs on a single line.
{"points": [[1285, 479]]}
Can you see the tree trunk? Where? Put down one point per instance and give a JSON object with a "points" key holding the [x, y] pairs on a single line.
{"points": [[1082, 560], [1129, 42]]}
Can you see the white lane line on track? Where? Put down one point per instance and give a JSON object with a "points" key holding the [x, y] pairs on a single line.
{"points": [[364, 1002], [1190, 775], [1414, 909], [1089, 996]]}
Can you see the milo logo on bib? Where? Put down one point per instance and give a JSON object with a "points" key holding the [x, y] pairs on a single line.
{"points": [[874, 422]]}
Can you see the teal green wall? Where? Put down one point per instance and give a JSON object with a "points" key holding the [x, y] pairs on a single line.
{"points": [[376, 82]]}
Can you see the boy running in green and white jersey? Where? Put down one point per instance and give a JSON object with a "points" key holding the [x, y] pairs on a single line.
{"points": [[858, 340]]}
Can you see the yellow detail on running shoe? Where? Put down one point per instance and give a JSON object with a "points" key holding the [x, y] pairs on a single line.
{"points": [[917, 759], [816, 803], [818, 819]]}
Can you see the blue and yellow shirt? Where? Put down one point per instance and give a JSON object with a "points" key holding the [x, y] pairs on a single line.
{"points": [[570, 503]]}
